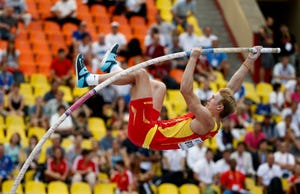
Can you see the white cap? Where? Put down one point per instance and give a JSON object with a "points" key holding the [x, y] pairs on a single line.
{"points": [[114, 24]]}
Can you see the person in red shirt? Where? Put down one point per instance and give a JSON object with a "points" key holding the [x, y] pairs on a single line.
{"points": [[233, 181], [62, 68], [84, 168], [294, 181], [57, 166], [122, 177]]}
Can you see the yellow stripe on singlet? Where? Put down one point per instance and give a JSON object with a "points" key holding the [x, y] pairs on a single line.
{"points": [[149, 137]]}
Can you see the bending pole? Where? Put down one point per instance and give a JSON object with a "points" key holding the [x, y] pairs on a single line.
{"points": [[109, 81]]}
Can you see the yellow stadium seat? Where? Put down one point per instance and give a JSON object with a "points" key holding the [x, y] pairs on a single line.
{"points": [[26, 88], [164, 4], [7, 185], [97, 127], [249, 182], [211, 143], [256, 190], [168, 188], [38, 79], [251, 92], [103, 177], [2, 123], [29, 175], [87, 144], [42, 157], [66, 143], [263, 90], [166, 15], [80, 187], [104, 188], [13, 120], [153, 188], [35, 187], [37, 131], [177, 101], [285, 184], [193, 21], [189, 188], [57, 187], [41, 90], [68, 97], [78, 92], [216, 188]]}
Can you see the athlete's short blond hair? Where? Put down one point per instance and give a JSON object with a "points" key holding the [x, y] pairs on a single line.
{"points": [[228, 101]]}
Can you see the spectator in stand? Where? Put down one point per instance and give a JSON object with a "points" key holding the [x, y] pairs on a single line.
{"points": [[283, 71], [154, 50], [20, 10], [269, 175], [244, 160], [99, 49], [293, 145], [174, 162], [52, 92], [85, 47], [295, 96], [85, 168], [276, 99], [62, 69], [13, 148], [189, 39], [225, 138], [166, 29], [11, 57], [120, 110], [266, 39], [53, 104], [223, 164], [150, 36], [233, 181], [6, 165], [117, 153], [37, 115], [260, 155], [136, 8], [33, 140], [115, 37], [268, 127], [285, 160], [218, 61], [178, 63], [286, 41], [75, 149], [81, 125], [240, 117], [99, 155], [64, 11], [146, 159], [195, 153], [6, 78], [294, 109], [181, 10], [106, 142], [205, 171], [57, 167], [286, 124], [15, 101], [204, 92], [77, 35], [253, 137], [208, 37], [8, 24], [56, 143], [294, 181], [66, 128], [123, 177], [3, 111]]}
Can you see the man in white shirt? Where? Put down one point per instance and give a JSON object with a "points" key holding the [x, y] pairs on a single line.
{"points": [[115, 37], [222, 165], [285, 125], [285, 160], [283, 71], [194, 154], [66, 127], [267, 171], [206, 40], [99, 49], [188, 39], [205, 170]]}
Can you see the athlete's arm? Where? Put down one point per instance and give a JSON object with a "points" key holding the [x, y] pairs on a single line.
{"points": [[203, 122], [237, 79]]}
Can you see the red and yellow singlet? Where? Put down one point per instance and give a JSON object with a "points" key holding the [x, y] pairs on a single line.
{"points": [[145, 130]]}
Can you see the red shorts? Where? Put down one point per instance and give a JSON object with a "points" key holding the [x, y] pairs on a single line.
{"points": [[142, 117]]}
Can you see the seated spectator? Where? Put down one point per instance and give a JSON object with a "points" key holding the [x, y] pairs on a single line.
{"points": [[285, 160], [286, 124], [268, 128], [52, 105], [52, 92], [181, 62], [15, 101], [243, 159], [225, 138], [6, 165], [13, 148], [6, 78], [33, 140], [57, 167], [99, 155], [64, 11], [204, 92], [276, 99], [205, 171], [195, 153], [8, 24], [117, 153], [81, 125], [37, 114], [85, 47], [123, 178], [56, 143], [269, 175], [85, 169], [3, 111], [66, 128], [136, 8], [120, 110], [283, 71], [154, 31], [293, 144], [206, 41], [77, 35], [174, 162], [20, 10], [115, 37], [260, 155], [253, 137], [181, 10], [294, 181], [106, 142], [232, 180], [11, 57], [223, 164], [75, 149], [218, 61], [62, 69], [240, 117], [189, 39], [99, 49]]}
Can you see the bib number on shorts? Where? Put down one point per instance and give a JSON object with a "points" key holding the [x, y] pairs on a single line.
{"points": [[188, 144]]}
